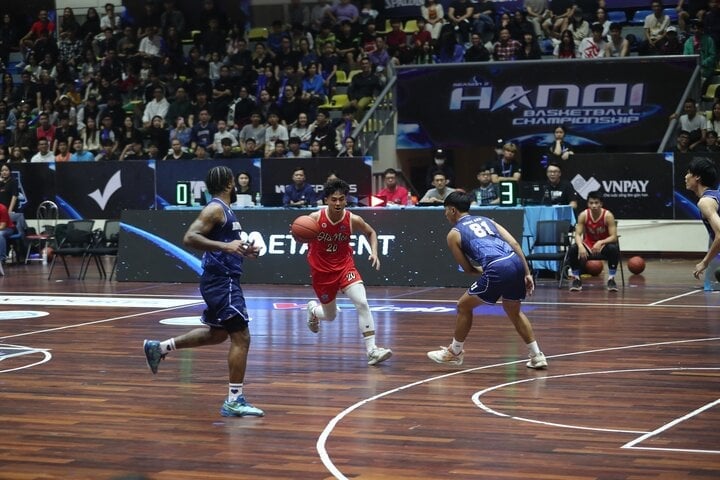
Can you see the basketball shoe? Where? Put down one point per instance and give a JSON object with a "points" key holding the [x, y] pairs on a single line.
{"points": [[240, 408], [611, 285], [446, 356], [378, 354], [538, 361], [313, 322], [153, 354], [576, 285]]}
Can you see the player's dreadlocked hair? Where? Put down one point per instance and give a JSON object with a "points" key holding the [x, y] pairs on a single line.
{"points": [[218, 178]]}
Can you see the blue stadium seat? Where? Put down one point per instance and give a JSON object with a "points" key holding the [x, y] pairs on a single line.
{"points": [[672, 13], [617, 16], [639, 17]]}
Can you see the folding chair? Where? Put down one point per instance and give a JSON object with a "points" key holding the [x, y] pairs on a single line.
{"points": [[47, 218], [551, 244], [104, 244], [74, 242]]}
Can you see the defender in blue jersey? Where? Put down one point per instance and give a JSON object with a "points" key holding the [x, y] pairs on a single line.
{"points": [[484, 247], [702, 180], [216, 231]]}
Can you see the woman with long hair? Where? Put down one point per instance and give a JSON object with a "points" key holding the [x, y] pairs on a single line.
{"points": [[91, 136], [567, 48], [90, 28]]}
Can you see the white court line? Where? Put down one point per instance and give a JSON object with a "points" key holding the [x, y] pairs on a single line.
{"points": [[632, 443], [96, 322], [675, 297], [476, 396], [322, 439]]}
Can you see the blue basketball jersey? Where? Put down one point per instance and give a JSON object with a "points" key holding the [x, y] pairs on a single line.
{"points": [[480, 240], [715, 194], [220, 262]]}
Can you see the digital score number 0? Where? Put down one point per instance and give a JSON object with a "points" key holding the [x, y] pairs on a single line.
{"points": [[508, 193]]}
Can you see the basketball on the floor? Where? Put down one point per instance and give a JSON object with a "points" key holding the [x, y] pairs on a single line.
{"points": [[636, 265], [594, 267], [305, 229]]}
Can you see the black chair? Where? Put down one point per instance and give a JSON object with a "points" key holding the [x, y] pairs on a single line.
{"points": [[47, 218], [551, 244], [105, 243], [72, 241]]}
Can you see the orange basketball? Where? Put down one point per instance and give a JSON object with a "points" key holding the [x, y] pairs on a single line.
{"points": [[594, 267], [636, 265], [305, 229], [50, 252]]}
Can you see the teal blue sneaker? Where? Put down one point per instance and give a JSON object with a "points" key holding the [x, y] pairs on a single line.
{"points": [[153, 354], [240, 408]]}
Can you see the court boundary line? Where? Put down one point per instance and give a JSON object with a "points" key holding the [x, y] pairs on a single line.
{"points": [[631, 444], [325, 434]]}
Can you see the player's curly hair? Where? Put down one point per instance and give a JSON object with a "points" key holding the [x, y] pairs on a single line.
{"points": [[337, 185], [218, 178]]}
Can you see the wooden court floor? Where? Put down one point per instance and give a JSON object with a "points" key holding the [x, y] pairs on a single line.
{"points": [[632, 390]]}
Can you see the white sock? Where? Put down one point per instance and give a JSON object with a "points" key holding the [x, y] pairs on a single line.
{"points": [[167, 346], [533, 347], [234, 391], [456, 347], [356, 294]]}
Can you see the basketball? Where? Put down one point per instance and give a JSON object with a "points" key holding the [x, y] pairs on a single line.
{"points": [[304, 229], [594, 267], [637, 265]]}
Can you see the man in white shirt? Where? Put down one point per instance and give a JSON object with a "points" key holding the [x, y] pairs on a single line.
{"points": [[158, 106], [151, 45], [44, 155], [594, 45], [655, 26], [223, 133], [110, 20], [274, 132]]}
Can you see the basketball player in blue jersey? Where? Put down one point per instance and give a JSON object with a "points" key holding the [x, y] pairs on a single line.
{"points": [[702, 179], [504, 273], [216, 231]]}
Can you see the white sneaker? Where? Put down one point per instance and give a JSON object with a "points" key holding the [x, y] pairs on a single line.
{"points": [[445, 356], [312, 320], [538, 361], [378, 354]]}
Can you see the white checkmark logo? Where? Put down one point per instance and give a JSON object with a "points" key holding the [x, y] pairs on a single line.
{"points": [[583, 187], [112, 186]]}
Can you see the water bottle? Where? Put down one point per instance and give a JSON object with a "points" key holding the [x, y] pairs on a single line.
{"points": [[257, 200], [44, 255], [12, 257], [409, 200], [712, 283]]}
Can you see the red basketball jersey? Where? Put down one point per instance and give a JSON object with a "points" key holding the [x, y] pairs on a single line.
{"points": [[595, 229], [331, 251]]}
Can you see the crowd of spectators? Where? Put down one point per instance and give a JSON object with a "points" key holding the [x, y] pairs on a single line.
{"points": [[158, 84]]}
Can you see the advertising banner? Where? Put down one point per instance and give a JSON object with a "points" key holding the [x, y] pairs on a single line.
{"points": [[170, 173], [411, 242], [634, 185], [277, 173], [97, 190], [603, 103]]}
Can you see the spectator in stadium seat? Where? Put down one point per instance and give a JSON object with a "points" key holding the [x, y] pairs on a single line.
{"points": [[324, 133], [172, 17], [682, 142], [688, 10], [459, 15], [594, 45], [344, 10], [711, 143], [530, 48], [556, 190], [703, 45], [617, 46], [537, 12], [655, 29], [487, 193], [203, 131], [506, 48], [157, 107], [557, 21], [671, 44], [434, 15], [508, 167], [363, 87], [692, 123]]}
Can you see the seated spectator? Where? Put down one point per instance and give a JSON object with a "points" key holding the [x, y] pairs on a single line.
{"points": [[299, 193], [482, 19], [181, 132], [655, 29], [530, 48], [508, 168], [221, 134], [7, 228], [324, 133], [79, 152], [440, 190], [477, 51], [670, 44], [487, 193], [459, 15], [243, 185], [711, 143], [691, 122], [274, 132], [294, 150], [617, 46], [422, 35], [133, 151], [448, 49], [350, 148], [701, 44], [278, 150], [682, 144], [594, 45], [434, 14], [557, 191], [363, 87], [439, 164], [345, 127], [251, 150], [157, 107], [203, 131], [506, 48], [559, 149], [177, 151], [254, 130], [201, 152], [63, 153], [537, 12], [393, 193], [567, 48], [579, 27], [225, 150]]}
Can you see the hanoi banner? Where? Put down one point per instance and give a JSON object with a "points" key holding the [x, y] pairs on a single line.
{"points": [[611, 103]]}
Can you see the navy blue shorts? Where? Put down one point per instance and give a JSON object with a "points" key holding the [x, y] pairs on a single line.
{"points": [[502, 278], [225, 301]]}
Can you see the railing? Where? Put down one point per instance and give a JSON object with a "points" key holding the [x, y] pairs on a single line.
{"points": [[379, 119]]}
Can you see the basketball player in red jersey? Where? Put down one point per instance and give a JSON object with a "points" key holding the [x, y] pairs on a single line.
{"points": [[332, 267], [595, 236]]}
